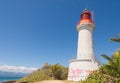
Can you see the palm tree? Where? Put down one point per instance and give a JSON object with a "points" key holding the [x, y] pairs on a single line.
{"points": [[56, 71], [116, 39], [112, 68]]}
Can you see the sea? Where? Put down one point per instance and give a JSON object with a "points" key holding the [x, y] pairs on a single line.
{"points": [[2, 79]]}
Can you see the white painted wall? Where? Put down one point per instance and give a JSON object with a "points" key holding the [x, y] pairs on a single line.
{"points": [[79, 70], [85, 41]]}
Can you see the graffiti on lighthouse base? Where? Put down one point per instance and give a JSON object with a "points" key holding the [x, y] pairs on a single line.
{"points": [[76, 73]]}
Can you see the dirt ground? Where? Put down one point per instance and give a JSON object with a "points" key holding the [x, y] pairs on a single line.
{"points": [[55, 81]]}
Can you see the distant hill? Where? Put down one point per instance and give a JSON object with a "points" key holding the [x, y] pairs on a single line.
{"points": [[12, 74]]}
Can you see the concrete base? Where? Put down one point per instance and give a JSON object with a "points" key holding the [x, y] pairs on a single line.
{"points": [[81, 68]]}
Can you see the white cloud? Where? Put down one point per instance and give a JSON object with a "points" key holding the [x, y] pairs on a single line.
{"points": [[20, 69]]}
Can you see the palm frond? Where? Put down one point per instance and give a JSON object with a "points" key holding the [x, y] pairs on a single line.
{"points": [[115, 39], [106, 57]]}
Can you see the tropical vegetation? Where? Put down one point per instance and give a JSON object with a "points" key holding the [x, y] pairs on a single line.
{"points": [[47, 72]]}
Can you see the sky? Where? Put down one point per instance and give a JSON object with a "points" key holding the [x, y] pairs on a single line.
{"points": [[33, 32]]}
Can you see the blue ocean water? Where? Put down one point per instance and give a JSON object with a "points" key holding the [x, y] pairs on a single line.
{"points": [[8, 78]]}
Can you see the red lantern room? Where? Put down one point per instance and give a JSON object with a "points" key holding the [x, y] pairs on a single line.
{"points": [[86, 17]]}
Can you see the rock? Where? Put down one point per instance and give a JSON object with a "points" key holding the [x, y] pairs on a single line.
{"points": [[11, 81]]}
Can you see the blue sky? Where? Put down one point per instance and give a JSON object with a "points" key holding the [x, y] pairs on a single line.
{"points": [[33, 32]]}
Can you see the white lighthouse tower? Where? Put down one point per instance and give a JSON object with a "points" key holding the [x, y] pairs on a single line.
{"points": [[85, 63]]}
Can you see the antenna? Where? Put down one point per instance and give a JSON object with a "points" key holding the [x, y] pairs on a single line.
{"points": [[86, 6], [92, 16]]}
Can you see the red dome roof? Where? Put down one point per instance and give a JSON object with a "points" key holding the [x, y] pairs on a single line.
{"points": [[86, 17]]}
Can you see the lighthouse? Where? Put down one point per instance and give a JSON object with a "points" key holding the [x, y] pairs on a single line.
{"points": [[80, 68]]}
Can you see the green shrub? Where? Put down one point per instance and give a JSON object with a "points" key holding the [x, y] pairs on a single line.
{"points": [[47, 72]]}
